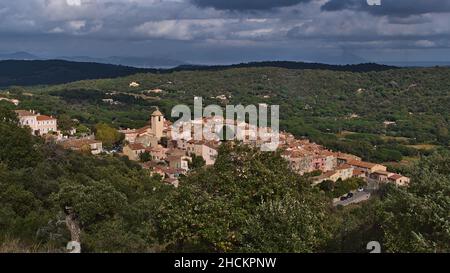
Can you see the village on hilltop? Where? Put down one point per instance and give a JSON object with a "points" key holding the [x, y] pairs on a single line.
{"points": [[171, 157]]}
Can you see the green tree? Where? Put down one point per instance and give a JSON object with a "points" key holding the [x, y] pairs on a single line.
{"points": [[197, 162], [108, 135], [289, 225], [442, 133], [65, 123], [82, 129], [18, 146], [327, 186], [416, 219], [403, 220], [145, 157], [217, 209], [342, 187]]}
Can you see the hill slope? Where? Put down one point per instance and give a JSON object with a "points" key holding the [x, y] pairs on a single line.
{"points": [[17, 72], [364, 67], [380, 116], [27, 73]]}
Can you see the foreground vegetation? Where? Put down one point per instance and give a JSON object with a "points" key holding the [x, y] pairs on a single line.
{"points": [[248, 201]]}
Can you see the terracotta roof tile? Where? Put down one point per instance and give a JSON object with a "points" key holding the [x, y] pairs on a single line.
{"points": [[361, 164], [136, 146], [395, 177], [24, 113], [43, 117]]}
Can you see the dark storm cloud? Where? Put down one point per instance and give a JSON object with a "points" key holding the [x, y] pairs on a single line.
{"points": [[247, 4], [390, 7], [211, 31]]}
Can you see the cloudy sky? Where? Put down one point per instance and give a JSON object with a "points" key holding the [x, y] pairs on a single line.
{"points": [[230, 31]]}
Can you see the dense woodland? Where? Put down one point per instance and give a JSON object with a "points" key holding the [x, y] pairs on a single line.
{"points": [[248, 201], [42, 72], [15, 72]]}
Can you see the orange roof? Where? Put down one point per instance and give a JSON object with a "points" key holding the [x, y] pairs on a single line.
{"points": [[382, 173], [347, 157], [327, 153], [358, 172], [136, 146], [156, 149], [149, 165], [362, 164], [172, 158], [344, 167], [78, 143], [157, 113], [395, 177], [142, 130], [24, 113], [43, 117], [172, 152], [173, 171], [298, 154]]}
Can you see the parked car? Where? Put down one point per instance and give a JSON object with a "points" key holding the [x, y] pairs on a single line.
{"points": [[349, 195], [343, 198], [360, 189]]}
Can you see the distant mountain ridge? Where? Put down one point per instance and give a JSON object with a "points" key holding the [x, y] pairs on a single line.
{"points": [[365, 67], [18, 56], [139, 62], [26, 73], [37, 72]]}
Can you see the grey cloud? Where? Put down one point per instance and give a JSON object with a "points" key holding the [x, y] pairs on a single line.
{"points": [[243, 5], [350, 27], [231, 31], [390, 7]]}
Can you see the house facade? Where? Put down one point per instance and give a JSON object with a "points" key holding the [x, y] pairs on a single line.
{"points": [[40, 124], [179, 162], [342, 172], [134, 151], [367, 167], [158, 153], [95, 147], [207, 150], [399, 180]]}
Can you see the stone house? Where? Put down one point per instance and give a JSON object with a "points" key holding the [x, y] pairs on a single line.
{"points": [[133, 151]]}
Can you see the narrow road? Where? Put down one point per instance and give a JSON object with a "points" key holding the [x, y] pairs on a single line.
{"points": [[357, 198]]}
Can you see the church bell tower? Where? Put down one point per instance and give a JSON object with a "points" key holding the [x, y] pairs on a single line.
{"points": [[157, 121]]}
